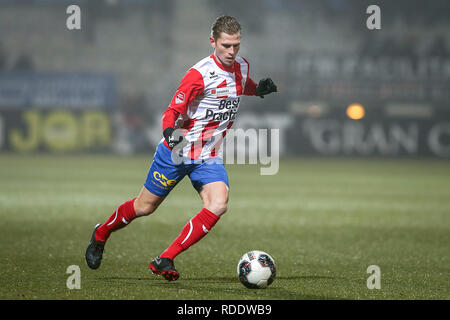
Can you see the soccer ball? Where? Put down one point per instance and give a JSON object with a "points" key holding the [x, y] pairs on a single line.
{"points": [[256, 269]]}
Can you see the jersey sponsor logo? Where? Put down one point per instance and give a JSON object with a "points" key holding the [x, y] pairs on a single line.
{"points": [[220, 116], [179, 97], [163, 180], [220, 92], [227, 110], [228, 104]]}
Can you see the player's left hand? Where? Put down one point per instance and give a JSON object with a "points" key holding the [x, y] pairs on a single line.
{"points": [[171, 140], [265, 86]]}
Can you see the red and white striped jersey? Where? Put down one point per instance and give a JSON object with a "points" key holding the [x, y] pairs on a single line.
{"points": [[206, 103]]}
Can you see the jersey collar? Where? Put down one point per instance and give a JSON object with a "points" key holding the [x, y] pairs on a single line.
{"points": [[221, 66]]}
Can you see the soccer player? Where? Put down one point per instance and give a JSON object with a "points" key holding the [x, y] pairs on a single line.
{"points": [[194, 124]]}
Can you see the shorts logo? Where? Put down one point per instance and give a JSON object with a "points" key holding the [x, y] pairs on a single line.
{"points": [[179, 97], [163, 180]]}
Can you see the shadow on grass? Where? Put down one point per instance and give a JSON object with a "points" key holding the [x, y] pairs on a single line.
{"points": [[217, 286], [229, 279]]}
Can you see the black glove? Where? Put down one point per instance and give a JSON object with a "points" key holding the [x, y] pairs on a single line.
{"points": [[265, 86], [170, 139]]}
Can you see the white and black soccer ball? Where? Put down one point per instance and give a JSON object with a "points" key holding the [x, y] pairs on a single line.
{"points": [[256, 269]]}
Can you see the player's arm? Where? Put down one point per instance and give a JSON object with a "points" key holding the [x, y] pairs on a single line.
{"points": [[190, 87], [250, 87]]}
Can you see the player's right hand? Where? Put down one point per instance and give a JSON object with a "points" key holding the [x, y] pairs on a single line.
{"points": [[171, 140]]}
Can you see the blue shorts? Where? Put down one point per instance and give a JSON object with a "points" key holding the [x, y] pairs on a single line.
{"points": [[164, 174]]}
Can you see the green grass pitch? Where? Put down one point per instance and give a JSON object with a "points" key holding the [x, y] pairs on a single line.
{"points": [[323, 220]]}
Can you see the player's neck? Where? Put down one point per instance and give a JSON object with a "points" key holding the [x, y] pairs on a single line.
{"points": [[221, 65]]}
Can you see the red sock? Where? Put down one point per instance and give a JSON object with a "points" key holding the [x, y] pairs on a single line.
{"points": [[120, 218], [192, 232]]}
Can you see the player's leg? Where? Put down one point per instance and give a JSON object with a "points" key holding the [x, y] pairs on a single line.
{"points": [[144, 204], [211, 181], [161, 179], [215, 197]]}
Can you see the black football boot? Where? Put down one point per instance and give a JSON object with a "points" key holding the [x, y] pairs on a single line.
{"points": [[165, 268], [94, 251]]}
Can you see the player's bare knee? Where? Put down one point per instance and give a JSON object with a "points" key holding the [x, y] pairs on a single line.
{"points": [[222, 209], [145, 209], [217, 207]]}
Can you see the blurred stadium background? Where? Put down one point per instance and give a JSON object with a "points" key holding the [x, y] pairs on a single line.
{"points": [[103, 88], [364, 120]]}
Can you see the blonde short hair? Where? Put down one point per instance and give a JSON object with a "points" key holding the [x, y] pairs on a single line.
{"points": [[225, 24]]}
